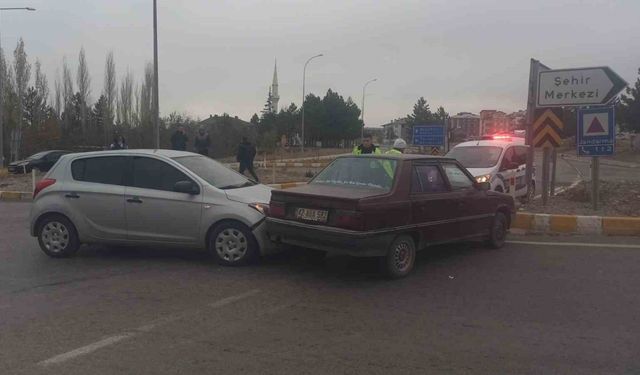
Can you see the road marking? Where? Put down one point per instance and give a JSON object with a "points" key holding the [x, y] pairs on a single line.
{"points": [[87, 349], [579, 244]]}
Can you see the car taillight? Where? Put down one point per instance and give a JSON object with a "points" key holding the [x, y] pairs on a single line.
{"points": [[43, 184], [349, 220], [277, 209]]}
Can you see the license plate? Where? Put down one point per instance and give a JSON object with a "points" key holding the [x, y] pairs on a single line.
{"points": [[308, 214]]}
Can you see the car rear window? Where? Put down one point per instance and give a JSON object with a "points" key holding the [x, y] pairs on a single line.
{"points": [[102, 170], [359, 172]]}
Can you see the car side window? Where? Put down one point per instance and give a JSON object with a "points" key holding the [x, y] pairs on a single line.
{"points": [[149, 173], [521, 155], [508, 158], [108, 170], [427, 179], [457, 178]]}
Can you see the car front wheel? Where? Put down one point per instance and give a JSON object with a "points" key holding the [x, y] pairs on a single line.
{"points": [[58, 237], [233, 244], [400, 258], [498, 233]]}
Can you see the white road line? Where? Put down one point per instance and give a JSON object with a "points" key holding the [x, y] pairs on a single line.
{"points": [[576, 244], [87, 349]]}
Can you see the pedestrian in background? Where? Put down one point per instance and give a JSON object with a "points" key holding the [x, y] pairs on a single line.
{"points": [[246, 155], [119, 143], [366, 147], [399, 145], [179, 139], [202, 142]]}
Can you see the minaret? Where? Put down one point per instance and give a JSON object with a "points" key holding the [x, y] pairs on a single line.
{"points": [[274, 89]]}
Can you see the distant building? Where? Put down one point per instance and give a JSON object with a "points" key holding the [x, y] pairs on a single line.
{"points": [[464, 125], [397, 128], [493, 121]]}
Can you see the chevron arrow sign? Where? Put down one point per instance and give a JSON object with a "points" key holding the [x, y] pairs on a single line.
{"points": [[547, 127]]}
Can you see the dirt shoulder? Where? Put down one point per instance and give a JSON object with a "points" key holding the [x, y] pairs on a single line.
{"points": [[619, 198]]}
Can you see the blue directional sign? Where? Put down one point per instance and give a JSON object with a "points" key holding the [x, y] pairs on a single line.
{"points": [[432, 135], [596, 132]]}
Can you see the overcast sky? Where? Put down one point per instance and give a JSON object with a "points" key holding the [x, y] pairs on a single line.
{"points": [[218, 56]]}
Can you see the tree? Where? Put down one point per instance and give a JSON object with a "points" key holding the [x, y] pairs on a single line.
{"points": [[268, 106], [67, 91], [145, 98], [41, 94], [255, 120], [110, 94], [441, 115], [100, 117], [22, 70], [629, 108], [421, 113], [84, 86], [125, 101]]}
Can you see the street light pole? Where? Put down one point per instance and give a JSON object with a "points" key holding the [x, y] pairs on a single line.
{"points": [[304, 76], [156, 103], [2, 94], [363, 94]]}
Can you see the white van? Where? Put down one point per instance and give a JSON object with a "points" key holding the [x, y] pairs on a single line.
{"points": [[497, 161]]}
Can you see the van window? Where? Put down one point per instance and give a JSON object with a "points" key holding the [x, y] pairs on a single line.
{"points": [[101, 170]]}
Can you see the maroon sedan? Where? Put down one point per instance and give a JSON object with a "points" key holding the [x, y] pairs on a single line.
{"points": [[389, 206]]}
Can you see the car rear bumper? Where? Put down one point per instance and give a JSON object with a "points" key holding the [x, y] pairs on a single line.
{"points": [[334, 240], [17, 169]]}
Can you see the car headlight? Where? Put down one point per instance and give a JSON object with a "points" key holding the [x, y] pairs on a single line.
{"points": [[263, 208], [484, 178]]}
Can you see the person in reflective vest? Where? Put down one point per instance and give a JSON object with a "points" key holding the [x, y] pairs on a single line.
{"points": [[366, 147], [399, 145]]}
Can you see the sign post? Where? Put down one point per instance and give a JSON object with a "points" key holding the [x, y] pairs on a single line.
{"points": [[596, 137], [535, 67], [547, 130], [432, 136]]}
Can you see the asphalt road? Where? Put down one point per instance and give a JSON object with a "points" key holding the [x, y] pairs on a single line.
{"points": [[544, 307]]}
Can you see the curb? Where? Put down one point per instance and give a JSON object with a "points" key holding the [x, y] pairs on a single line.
{"points": [[15, 196], [573, 224]]}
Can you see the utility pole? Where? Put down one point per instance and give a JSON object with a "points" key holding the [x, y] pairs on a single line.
{"points": [[156, 103], [304, 76]]}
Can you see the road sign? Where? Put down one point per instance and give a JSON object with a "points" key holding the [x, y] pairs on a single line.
{"points": [[435, 151], [578, 87], [547, 127], [432, 135], [596, 131]]}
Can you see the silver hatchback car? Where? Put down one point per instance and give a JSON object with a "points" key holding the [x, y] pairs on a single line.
{"points": [[150, 197]]}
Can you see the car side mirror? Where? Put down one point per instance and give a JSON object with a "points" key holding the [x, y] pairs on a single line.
{"points": [[484, 186], [187, 187]]}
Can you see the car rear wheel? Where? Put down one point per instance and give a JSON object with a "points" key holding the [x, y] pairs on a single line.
{"points": [[400, 258], [498, 233], [233, 244], [58, 237]]}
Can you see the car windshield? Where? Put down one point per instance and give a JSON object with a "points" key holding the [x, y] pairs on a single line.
{"points": [[476, 156], [214, 173], [39, 155], [359, 172]]}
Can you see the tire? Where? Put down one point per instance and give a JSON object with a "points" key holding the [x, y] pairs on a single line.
{"points": [[498, 233], [499, 189], [233, 244], [400, 258], [58, 237]]}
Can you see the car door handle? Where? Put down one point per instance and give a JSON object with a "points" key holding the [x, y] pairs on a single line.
{"points": [[134, 200], [72, 195]]}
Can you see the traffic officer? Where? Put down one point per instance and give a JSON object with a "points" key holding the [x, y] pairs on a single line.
{"points": [[399, 145], [366, 147]]}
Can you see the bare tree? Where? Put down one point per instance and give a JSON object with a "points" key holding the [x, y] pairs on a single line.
{"points": [[22, 70], [125, 100], [109, 93], [84, 87], [42, 91], [57, 96], [67, 90], [145, 106]]}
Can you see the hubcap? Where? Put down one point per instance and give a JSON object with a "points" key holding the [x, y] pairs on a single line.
{"points": [[402, 257], [55, 236], [231, 245]]}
